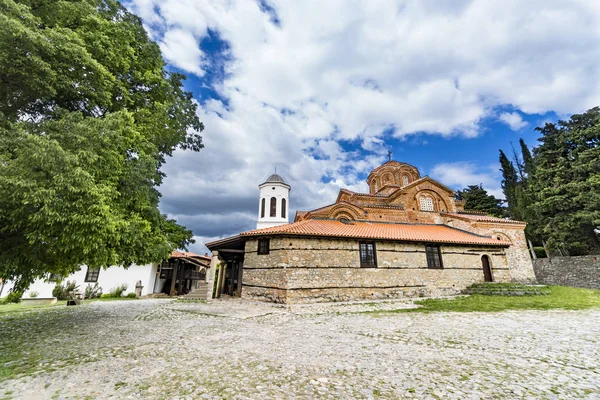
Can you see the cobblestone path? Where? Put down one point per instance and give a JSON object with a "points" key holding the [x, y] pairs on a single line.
{"points": [[159, 349]]}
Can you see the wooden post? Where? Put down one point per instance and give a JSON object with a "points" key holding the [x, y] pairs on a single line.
{"points": [[221, 290], [173, 279], [222, 267], [240, 275], [532, 250]]}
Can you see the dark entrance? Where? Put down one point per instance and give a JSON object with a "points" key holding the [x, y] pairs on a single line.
{"points": [[231, 254], [487, 271]]}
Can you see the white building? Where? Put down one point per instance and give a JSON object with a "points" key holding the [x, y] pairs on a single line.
{"points": [[187, 267], [273, 203]]}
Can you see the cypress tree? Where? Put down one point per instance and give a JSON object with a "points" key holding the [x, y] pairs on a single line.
{"points": [[528, 162], [510, 182]]}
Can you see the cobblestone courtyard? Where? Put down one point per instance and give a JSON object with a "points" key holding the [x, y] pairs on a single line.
{"points": [[159, 349]]}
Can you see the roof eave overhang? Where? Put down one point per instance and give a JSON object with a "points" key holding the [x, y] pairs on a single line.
{"points": [[287, 234], [227, 243]]}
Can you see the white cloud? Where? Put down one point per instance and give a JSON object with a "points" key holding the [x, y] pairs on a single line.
{"points": [[459, 175], [513, 120], [352, 72], [181, 49]]}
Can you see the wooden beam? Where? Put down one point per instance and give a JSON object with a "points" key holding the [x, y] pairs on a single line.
{"points": [[173, 279], [222, 267]]}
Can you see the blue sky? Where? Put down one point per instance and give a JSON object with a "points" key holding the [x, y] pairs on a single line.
{"points": [[323, 90]]}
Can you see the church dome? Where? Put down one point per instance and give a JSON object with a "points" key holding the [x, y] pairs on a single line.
{"points": [[274, 179], [391, 173]]}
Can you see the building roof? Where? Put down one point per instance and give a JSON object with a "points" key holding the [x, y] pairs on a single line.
{"points": [[186, 254], [483, 218], [382, 231], [274, 179], [391, 163]]}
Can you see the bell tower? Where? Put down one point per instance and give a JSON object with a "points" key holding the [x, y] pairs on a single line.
{"points": [[273, 202]]}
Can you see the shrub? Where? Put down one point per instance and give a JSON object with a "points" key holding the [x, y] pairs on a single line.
{"points": [[105, 296], [118, 291], [93, 292], [131, 295], [33, 295], [539, 252], [12, 297], [65, 292]]}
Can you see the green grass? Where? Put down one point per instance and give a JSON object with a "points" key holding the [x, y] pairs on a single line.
{"points": [[560, 297], [21, 307]]}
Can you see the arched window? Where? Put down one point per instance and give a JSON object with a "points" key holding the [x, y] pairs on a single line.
{"points": [[426, 203], [405, 180], [283, 208], [273, 206], [262, 208]]}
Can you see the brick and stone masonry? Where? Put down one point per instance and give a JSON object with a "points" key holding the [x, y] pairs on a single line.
{"points": [[312, 270]]}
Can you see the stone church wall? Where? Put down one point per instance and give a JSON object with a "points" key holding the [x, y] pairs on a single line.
{"points": [[517, 255], [582, 271], [311, 270]]}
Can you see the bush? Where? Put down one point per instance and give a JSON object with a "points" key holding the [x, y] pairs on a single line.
{"points": [[65, 292], [12, 297], [118, 291], [106, 296], [33, 295], [539, 252], [93, 292], [131, 295]]}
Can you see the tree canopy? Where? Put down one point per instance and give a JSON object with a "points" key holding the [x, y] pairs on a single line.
{"points": [[88, 116], [559, 193], [565, 185], [477, 199]]}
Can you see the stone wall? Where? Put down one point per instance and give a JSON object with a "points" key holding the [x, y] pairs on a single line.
{"points": [[310, 270], [582, 271], [517, 255]]}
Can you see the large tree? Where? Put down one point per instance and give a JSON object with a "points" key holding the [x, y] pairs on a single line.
{"points": [[477, 199], [565, 185], [88, 116], [510, 186]]}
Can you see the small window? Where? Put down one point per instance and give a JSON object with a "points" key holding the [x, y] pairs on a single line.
{"points": [[283, 208], [368, 258], [263, 246], [426, 203], [92, 274], [273, 206], [434, 256], [405, 180], [262, 208], [54, 278]]}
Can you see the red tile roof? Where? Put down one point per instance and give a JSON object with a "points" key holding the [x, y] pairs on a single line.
{"points": [[185, 254], [369, 230], [484, 218]]}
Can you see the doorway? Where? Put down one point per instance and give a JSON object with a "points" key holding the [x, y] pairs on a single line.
{"points": [[487, 271]]}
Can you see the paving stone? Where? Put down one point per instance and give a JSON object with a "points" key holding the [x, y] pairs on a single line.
{"points": [[235, 349]]}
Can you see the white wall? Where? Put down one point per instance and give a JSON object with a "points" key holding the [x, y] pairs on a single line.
{"points": [[107, 280], [279, 191]]}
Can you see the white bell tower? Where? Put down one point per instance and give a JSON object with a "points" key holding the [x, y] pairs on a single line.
{"points": [[273, 203]]}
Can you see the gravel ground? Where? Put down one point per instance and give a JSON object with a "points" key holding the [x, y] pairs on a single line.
{"points": [[159, 349]]}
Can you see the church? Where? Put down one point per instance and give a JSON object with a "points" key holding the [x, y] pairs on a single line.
{"points": [[407, 237]]}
